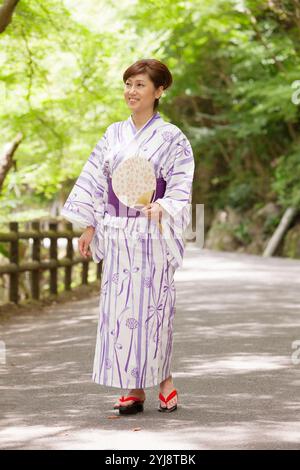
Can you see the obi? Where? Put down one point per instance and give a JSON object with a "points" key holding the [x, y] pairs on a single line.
{"points": [[116, 208]]}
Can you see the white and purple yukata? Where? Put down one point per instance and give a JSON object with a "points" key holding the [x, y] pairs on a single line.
{"points": [[137, 301]]}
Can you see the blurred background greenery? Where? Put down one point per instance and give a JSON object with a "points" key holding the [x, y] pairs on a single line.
{"points": [[235, 66]]}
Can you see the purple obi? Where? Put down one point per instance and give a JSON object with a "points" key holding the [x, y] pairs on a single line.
{"points": [[116, 208]]}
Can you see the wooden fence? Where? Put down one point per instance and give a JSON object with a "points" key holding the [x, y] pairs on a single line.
{"points": [[36, 265]]}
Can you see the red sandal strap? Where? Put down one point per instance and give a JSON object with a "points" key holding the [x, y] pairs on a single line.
{"points": [[162, 398], [169, 397], [123, 399]]}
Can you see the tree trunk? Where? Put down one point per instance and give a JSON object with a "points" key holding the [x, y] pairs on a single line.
{"points": [[280, 231], [6, 12], [6, 160]]}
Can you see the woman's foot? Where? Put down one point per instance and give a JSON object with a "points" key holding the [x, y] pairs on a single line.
{"points": [[136, 392], [166, 387]]}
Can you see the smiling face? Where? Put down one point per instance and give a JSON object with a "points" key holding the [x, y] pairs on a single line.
{"points": [[140, 92]]}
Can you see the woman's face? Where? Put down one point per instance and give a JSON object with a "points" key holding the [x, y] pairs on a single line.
{"points": [[140, 92]]}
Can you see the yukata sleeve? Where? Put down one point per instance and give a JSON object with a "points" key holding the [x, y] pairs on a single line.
{"points": [[176, 202], [85, 205]]}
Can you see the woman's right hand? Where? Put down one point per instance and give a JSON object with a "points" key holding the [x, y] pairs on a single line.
{"points": [[85, 240]]}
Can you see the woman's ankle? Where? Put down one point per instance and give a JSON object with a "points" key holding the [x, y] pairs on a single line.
{"points": [[166, 387], [137, 391], [168, 381]]}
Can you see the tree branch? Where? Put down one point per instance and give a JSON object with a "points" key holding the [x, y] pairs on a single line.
{"points": [[6, 12], [6, 160]]}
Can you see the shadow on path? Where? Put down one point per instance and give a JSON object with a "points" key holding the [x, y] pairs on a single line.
{"points": [[237, 317]]}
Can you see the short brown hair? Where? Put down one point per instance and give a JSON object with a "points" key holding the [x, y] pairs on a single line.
{"points": [[158, 73]]}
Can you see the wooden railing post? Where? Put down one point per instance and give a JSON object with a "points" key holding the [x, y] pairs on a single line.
{"points": [[14, 258], [53, 257], [69, 255], [36, 256], [85, 272], [99, 266]]}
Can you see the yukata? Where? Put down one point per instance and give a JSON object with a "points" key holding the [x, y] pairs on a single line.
{"points": [[134, 340]]}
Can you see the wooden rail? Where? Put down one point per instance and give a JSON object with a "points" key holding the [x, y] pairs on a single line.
{"points": [[36, 265]]}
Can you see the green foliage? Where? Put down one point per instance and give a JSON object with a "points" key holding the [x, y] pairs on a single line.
{"points": [[4, 250], [286, 183], [54, 89], [270, 224], [241, 196], [242, 233], [235, 67]]}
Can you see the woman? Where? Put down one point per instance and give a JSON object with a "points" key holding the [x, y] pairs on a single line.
{"points": [[140, 252]]}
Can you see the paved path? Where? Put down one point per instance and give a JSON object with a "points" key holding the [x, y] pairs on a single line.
{"points": [[236, 320]]}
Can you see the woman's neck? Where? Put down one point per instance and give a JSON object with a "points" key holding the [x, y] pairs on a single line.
{"points": [[140, 119]]}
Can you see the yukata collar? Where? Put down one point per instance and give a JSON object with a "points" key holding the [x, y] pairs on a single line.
{"points": [[156, 115]]}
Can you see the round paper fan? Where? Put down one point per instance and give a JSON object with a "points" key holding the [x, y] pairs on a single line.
{"points": [[134, 182]]}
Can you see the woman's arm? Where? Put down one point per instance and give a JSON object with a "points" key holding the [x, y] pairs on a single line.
{"points": [[85, 203]]}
